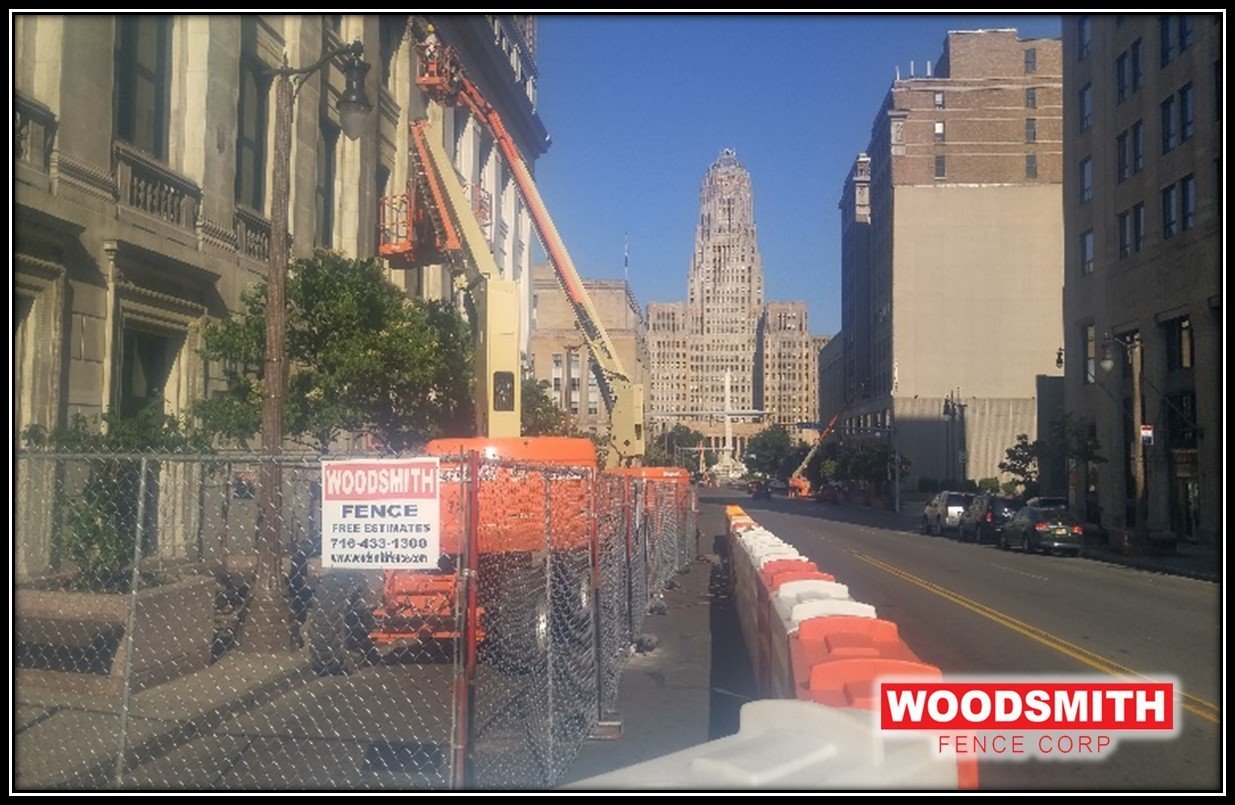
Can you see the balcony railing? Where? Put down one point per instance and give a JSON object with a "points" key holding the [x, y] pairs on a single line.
{"points": [[34, 132], [252, 234], [144, 183]]}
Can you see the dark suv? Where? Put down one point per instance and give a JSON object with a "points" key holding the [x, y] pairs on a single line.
{"points": [[944, 511], [983, 521]]}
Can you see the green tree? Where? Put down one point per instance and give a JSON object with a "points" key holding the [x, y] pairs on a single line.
{"points": [[1022, 463], [541, 416], [767, 449], [362, 356]]}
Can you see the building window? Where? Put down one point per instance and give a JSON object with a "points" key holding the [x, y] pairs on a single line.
{"points": [[1123, 157], [938, 131], [1086, 179], [1031, 130], [938, 99], [142, 78], [1187, 201], [1185, 32], [145, 366], [1139, 227], [1125, 233], [1166, 42], [1031, 98], [1138, 75], [1086, 106], [1091, 351], [1121, 77], [328, 139], [1168, 212], [941, 167], [1031, 166], [1084, 36], [1087, 251], [1186, 112], [251, 121], [1168, 125], [1031, 60], [1179, 354], [1138, 147]]}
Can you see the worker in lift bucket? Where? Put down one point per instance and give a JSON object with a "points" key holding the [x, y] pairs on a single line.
{"points": [[431, 44]]}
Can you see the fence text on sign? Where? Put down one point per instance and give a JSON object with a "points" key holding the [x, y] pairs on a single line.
{"points": [[381, 514]]}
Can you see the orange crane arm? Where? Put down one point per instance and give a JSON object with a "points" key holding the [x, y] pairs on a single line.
{"points": [[442, 76]]}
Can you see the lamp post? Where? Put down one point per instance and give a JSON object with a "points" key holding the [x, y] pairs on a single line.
{"points": [[954, 411], [1133, 347], [268, 624]]}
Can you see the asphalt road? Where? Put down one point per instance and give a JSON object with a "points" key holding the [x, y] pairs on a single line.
{"points": [[974, 609]]}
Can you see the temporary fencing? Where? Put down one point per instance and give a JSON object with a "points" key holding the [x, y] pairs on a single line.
{"points": [[143, 659]]}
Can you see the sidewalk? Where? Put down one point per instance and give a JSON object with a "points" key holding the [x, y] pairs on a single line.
{"points": [[689, 688], [161, 718]]}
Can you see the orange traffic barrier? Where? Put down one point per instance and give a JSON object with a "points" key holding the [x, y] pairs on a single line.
{"points": [[839, 637], [778, 565], [850, 681], [774, 582]]}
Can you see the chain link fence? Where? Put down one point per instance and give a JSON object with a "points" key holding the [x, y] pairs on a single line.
{"points": [[144, 660]]}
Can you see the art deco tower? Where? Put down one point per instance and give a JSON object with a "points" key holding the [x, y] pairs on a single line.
{"points": [[725, 289]]}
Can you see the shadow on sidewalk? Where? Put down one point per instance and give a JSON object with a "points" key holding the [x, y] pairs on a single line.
{"points": [[732, 680]]}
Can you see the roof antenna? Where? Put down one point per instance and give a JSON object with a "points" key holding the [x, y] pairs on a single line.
{"points": [[928, 68], [912, 74], [898, 72]]}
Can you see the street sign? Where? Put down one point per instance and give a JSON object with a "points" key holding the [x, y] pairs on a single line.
{"points": [[381, 514], [1147, 435]]}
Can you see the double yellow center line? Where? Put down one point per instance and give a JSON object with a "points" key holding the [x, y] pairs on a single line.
{"points": [[1197, 706]]}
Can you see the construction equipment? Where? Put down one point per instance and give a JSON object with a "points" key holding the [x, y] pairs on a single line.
{"points": [[434, 221], [517, 531], [799, 486], [443, 78]]}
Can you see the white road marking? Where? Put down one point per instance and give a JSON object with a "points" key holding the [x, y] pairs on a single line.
{"points": [[1021, 572]]}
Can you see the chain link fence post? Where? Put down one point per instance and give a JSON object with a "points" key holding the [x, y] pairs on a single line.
{"points": [[126, 689]]}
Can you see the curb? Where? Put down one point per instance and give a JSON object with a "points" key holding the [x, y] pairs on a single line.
{"points": [[1152, 565]]}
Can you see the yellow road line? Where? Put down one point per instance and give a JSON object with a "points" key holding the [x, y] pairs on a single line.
{"points": [[1193, 704]]}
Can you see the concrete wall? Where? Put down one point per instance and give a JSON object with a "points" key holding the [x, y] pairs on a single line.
{"points": [[976, 289], [933, 443]]}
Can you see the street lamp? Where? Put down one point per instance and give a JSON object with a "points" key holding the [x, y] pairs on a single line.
{"points": [[268, 625], [1132, 345], [953, 410]]}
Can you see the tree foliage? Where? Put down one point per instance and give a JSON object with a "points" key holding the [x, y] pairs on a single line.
{"points": [[1021, 463], [362, 356], [541, 416], [674, 448], [767, 450], [100, 517]]}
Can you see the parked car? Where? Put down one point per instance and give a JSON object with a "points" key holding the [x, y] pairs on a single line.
{"points": [[759, 490], [1047, 530], [779, 487], [984, 520], [944, 511], [1047, 503]]}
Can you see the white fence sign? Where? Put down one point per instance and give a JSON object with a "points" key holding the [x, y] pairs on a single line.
{"points": [[381, 514]]}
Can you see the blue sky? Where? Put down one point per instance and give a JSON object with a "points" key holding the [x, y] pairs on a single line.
{"points": [[639, 106]]}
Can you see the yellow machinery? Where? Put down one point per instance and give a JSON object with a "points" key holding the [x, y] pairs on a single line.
{"points": [[436, 216]]}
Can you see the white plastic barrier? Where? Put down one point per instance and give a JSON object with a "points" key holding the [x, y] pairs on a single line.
{"points": [[782, 744]]}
